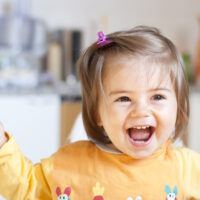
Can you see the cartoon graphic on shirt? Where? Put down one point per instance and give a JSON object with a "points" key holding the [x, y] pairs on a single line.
{"points": [[171, 195], [98, 192], [64, 196], [137, 198]]}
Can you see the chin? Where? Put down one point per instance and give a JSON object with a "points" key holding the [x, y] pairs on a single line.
{"points": [[141, 155]]}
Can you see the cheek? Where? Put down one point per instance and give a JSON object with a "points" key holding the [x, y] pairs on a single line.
{"points": [[111, 117], [166, 116], [173, 112]]}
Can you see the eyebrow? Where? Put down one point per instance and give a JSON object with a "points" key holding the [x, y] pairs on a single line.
{"points": [[114, 92], [119, 92], [161, 88]]}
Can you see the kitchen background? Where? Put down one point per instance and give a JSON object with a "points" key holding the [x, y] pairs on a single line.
{"points": [[40, 41]]}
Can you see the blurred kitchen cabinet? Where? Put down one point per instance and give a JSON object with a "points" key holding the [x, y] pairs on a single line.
{"points": [[69, 112], [34, 121], [39, 122]]}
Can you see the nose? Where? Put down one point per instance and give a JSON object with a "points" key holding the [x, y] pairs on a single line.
{"points": [[140, 109]]}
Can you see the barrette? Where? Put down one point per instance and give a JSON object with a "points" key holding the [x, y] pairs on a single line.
{"points": [[103, 39]]}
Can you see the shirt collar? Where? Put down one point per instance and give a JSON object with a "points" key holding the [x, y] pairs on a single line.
{"points": [[110, 148]]}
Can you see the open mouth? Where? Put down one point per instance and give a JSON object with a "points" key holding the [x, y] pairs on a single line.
{"points": [[140, 135]]}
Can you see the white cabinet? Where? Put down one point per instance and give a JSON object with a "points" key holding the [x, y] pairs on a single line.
{"points": [[194, 125], [34, 120]]}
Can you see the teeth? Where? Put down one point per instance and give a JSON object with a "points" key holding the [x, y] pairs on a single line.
{"points": [[141, 127], [144, 127], [138, 127]]}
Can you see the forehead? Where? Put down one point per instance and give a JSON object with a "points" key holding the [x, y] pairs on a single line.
{"points": [[135, 71]]}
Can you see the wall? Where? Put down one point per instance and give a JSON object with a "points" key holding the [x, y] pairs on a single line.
{"points": [[175, 18]]}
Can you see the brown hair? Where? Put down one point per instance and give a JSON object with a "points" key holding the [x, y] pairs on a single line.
{"points": [[141, 41]]}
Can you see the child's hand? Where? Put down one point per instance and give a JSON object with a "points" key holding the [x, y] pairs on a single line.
{"points": [[3, 138]]}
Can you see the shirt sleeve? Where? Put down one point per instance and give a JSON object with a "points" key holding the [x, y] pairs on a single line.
{"points": [[19, 178], [190, 167]]}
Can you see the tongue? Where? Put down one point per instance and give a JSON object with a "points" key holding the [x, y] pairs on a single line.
{"points": [[139, 134]]}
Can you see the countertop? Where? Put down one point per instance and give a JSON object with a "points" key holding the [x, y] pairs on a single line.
{"points": [[67, 92]]}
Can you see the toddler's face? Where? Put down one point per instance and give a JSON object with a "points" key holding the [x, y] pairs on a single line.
{"points": [[140, 109]]}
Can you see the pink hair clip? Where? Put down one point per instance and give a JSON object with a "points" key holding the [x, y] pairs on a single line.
{"points": [[103, 40]]}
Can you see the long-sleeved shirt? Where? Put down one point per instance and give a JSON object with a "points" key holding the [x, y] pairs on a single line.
{"points": [[84, 171]]}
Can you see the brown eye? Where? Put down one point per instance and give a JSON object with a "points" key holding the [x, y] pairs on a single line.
{"points": [[158, 97], [123, 99]]}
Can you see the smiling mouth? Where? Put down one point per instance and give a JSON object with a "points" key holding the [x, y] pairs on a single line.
{"points": [[140, 135]]}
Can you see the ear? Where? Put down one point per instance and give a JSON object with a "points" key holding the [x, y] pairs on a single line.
{"points": [[175, 191], [67, 191], [99, 123], [167, 189], [98, 120], [58, 191]]}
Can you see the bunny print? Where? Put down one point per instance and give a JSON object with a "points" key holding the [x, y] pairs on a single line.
{"points": [[64, 196], [171, 195]]}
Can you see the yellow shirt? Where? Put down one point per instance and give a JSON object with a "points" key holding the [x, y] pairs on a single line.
{"points": [[82, 171]]}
